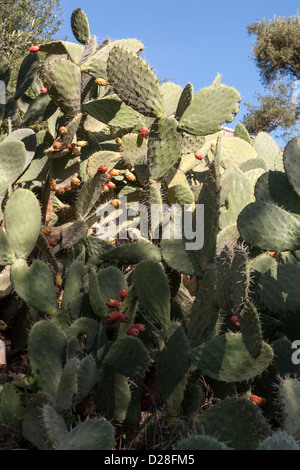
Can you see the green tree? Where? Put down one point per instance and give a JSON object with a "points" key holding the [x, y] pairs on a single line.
{"points": [[276, 52], [25, 23]]}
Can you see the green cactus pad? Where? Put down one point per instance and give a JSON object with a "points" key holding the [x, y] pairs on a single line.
{"points": [[112, 396], [132, 253], [241, 132], [89, 328], [172, 94], [128, 73], [96, 300], [35, 285], [64, 49], [185, 100], [86, 378], [253, 163], [236, 421], [269, 227], [210, 197], [180, 194], [103, 157], [22, 221], [164, 147], [275, 188], [96, 65], [127, 356], [226, 359], [93, 434], [67, 386], [266, 148], [289, 399], [251, 330], [89, 195], [210, 108], [41, 109], [235, 195], [291, 162], [73, 284], [80, 26], [10, 406], [11, 168], [112, 112], [54, 426], [64, 81], [33, 429], [111, 281], [152, 289], [27, 72], [132, 148], [46, 349], [172, 381], [7, 254], [177, 257], [201, 443], [279, 440], [275, 285]]}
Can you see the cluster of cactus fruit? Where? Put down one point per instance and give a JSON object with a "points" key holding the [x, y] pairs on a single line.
{"points": [[208, 331]]}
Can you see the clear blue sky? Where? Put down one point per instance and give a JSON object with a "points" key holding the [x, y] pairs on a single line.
{"points": [[188, 40]]}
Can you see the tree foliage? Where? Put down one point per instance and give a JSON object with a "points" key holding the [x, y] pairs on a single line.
{"points": [[276, 52], [25, 23]]}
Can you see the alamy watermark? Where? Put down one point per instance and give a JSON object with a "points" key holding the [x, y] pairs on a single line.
{"points": [[2, 92], [296, 354], [159, 221]]}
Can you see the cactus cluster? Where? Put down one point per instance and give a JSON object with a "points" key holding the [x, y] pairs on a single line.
{"points": [[196, 336]]}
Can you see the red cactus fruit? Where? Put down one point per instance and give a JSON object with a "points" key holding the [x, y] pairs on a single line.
{"points": [[139, 326], [102, 169], [52, 185], [68, 187], [123, 294], [129, 175], [60, 191], [56, 145], [76, 182], [114, 172], [52, 242], [123, 318], [47, 231], [43, 91], [34, 48], [112, 317], [198, 155], [118, 141], [234, 320], [113, 303], [110, 185], [106, 189], [257, 400], [143, 132], [133, 331], [63, 130]]}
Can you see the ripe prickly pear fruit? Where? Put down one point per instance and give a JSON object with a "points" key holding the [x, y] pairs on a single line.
{"points": [[60, 191], [112, 317], [52, 185], [143, 132], [133, 331], [115, 203], [234, 320], [71, 146], [106, 189], [76, 182], [198, 155], [123, 318], [139, 326], [257, 400], [129, 176], [34, 48], [56, 145], [110, 185], [118, 141], [114, 172], [113, 303], [123, 294], [102, 169], [52, 242], [47, 231], [101, 82], [68, 188], [43, 91], [63, 130]]}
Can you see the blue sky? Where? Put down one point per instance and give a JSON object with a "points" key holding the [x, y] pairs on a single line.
{"points": [[187, 41]]}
